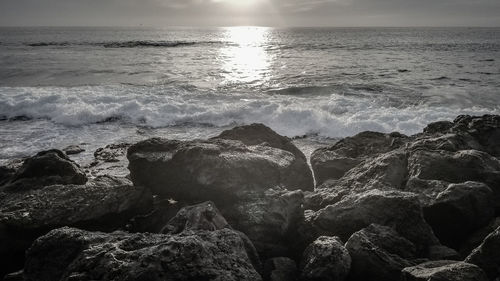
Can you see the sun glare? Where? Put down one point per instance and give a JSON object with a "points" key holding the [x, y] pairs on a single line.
{"points": [[246, 59], [238, 2]]}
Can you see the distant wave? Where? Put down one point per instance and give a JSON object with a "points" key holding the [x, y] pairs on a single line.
{"points": [[333, 115], [125, 44]]}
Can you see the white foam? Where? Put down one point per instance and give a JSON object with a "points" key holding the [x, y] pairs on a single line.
{"points": [[327, 115]]}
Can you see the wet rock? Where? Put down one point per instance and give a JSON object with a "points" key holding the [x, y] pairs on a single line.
{"points": [[72, 254], [459, 210], [395, 209], [280, 269], [379, 253], [73, 149], [325, 259], [214, 169], [487, 255], [105, 203], [47, 168], [444, 271], [335, 161]]}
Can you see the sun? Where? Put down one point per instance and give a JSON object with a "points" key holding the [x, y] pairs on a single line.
{"points": [[241, 3]]}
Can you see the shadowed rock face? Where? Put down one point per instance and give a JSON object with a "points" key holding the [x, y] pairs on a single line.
{"points": [[280, 269], [325, 259], [72, 254], [444, 271], [335, 161], [104, 203], [487, 255], [379, 253], [46, 168]]}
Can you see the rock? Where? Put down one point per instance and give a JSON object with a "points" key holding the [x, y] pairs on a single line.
{"points": [[163, 210], [73, 149], [379, 253], [212, 170], [6, 174], [47, 168], [460, 210], [444, 271], [112, 152], [485, 129], [441, 252], [325, 259], [395, 209], [322, 197], [104, 203], [335, 161], [440, 127], [110, 160], [280, 269], [269, 219], [478, 237], [487, 256], [72, 254], [457, 167]]}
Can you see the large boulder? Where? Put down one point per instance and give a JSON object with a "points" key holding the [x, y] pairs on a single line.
{"points": [[333, 162], [72, 254], [460, 210], [215, 169], [396, 209], [46, 168], [104, 203], [326, 259], [379, 253], [487, 255], [444, 271], [485, 130]]}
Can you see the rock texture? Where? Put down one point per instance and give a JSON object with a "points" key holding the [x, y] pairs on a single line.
{"points": [[487, 255], [280, 269], [72, 254], [379, 253], [444, 271], [325, 259]]}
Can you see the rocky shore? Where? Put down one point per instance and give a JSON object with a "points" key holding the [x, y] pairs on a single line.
{"points": [[246, 205]]}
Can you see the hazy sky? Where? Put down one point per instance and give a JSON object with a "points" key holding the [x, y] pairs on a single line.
{"points": [[251, 12]]}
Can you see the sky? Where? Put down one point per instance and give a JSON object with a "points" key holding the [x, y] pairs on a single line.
{"points": [[250, 12]]}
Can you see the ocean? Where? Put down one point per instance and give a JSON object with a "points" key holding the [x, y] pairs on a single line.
{"points": [[97, 86]]}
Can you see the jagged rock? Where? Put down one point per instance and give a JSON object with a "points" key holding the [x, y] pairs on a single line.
{"points": [[72, 254], [460, 210], [440, 127], [268, 219], [212, 170], [487, 255], [322, 197], [396, 209], [325, 259], [485, 129], [441, 252], [280, 269], [112, 152], [444, 271], [46, 168], [104, 203], [379, 253], [73, 149], [110, 160], [335, 161]]}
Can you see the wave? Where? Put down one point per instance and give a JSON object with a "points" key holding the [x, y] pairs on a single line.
{"points": [[333, 115], [125, 44]]}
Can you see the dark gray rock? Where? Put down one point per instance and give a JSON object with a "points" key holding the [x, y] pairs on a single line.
{"points": [[440, 127], [379, 253], [14, 276], [46, 168], [459, 210], [478, 237], [110, 160], [163, 210], [104, 203], [72, 254], [325, 259], [487, 255], [280, 269], [396, 209], [335, 161], [485, 129], [213, 170], [444, 271]]}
